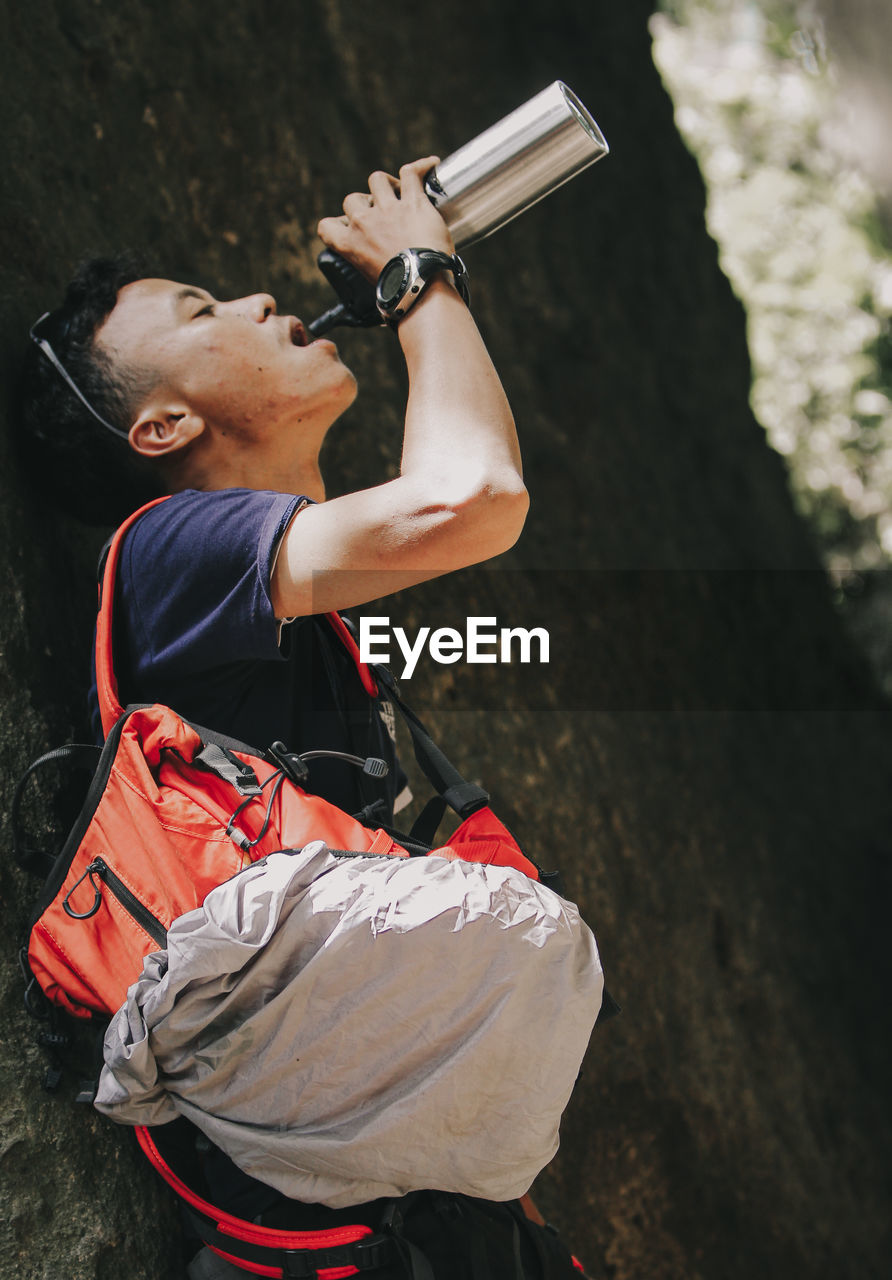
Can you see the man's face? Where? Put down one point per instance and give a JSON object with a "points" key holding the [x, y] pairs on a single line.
{"points": [[247, 371]]}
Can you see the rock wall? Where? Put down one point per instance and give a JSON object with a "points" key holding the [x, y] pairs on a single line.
{"points": [[703, 754]]}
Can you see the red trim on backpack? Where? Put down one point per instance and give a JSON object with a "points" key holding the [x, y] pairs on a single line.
{"points": [[269, 1237], [342, 631], [281, 1239], [255, 1268], [258, 1269]]}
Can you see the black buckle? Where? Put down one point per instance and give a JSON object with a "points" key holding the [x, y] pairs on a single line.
{"points": [[289, 762], [366, 1255], [297, 1264]]}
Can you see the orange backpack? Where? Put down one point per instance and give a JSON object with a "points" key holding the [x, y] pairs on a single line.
{"points": [[174, 809], [171, 811]]}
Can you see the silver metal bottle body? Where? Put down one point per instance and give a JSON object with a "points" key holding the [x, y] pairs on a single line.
{"points": [[516, 162]]}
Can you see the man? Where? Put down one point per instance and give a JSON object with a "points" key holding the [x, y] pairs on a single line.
{"points": [[216, 397], [225, 405]]}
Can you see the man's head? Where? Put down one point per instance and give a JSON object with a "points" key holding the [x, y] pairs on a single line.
{"points": [[208, 394]]}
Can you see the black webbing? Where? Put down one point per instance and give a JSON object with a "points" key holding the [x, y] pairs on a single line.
{"points": [[78, 754], [424, 828], [228, 767], [461, 796], [417, 1265]]}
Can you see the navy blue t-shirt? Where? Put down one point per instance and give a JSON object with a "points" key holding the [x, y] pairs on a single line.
{"points": [[195, 629]]}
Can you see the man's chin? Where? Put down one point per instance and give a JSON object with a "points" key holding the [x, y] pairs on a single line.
{"points": [[346, 393], [351, 388]]}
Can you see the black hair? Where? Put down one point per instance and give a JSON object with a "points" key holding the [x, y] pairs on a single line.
{"points": [[86, 469]]}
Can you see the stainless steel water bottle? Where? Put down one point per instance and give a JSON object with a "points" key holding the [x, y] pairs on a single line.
{"points": [[511, 166], [485, 184]]}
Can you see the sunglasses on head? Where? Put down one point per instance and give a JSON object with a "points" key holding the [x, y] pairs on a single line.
{"points": [[52, 323]]}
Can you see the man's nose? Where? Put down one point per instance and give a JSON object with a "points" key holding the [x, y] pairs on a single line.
{"points": [[257, 306]]}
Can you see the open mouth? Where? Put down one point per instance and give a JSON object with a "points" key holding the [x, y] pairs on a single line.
{"points": [[299, 336]]}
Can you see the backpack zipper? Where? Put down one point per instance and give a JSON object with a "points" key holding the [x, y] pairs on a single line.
{"points": [[128, 900]]}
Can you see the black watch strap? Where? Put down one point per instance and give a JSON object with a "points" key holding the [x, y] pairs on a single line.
{"points": [[433, 261], [418, 266]]}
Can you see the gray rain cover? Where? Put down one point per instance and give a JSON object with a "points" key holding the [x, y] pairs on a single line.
{"points": [[349, 1028]]}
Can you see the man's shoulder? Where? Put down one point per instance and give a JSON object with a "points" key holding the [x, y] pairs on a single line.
{"points": [[213, 518], [194, 577]]}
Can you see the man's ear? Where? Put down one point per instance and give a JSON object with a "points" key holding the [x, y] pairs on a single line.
{"points": [[158, 432]]}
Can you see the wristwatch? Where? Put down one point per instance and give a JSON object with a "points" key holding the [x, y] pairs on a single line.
{"points": [[405, 277]]}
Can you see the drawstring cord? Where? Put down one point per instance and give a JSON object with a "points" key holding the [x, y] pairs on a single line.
{"points": [[237, 835], [371, 767]]}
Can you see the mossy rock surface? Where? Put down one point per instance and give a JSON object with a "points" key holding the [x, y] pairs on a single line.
{"points": [[704, 755]]}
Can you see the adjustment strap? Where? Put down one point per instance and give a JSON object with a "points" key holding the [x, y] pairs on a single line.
{"points": [[425, 826], [463, 797], [416, 1263], [227, 766]]}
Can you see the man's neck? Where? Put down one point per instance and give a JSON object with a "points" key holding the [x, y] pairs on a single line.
{"points": [[249, 471]]}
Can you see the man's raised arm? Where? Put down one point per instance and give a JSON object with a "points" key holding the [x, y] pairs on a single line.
{"points": [[460, 497]]}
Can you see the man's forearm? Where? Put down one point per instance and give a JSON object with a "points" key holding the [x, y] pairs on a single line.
{"points": [[459, 425]]}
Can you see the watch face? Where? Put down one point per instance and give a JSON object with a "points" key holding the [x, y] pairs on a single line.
{"points": [[391, 281]]}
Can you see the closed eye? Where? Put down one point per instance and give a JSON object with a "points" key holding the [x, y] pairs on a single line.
{"points": [[205, 311]]}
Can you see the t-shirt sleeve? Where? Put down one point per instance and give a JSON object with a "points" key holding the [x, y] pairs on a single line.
{"points": [[194, 580]]}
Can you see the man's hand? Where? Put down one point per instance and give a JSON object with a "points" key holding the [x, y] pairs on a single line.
{"points": [[394, 214]]}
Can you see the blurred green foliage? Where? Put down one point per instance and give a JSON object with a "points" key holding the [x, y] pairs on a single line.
{"points": [[801, 241]]}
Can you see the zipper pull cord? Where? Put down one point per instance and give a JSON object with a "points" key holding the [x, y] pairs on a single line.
{"points": [[96, 867]]}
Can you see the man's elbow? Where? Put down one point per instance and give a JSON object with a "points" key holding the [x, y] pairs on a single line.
{"points": [[512, 505], [465, 523], [494, 515]]}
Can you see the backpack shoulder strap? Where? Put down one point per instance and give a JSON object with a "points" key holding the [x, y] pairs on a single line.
{"points": [[347, 639], [110, 708]]}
